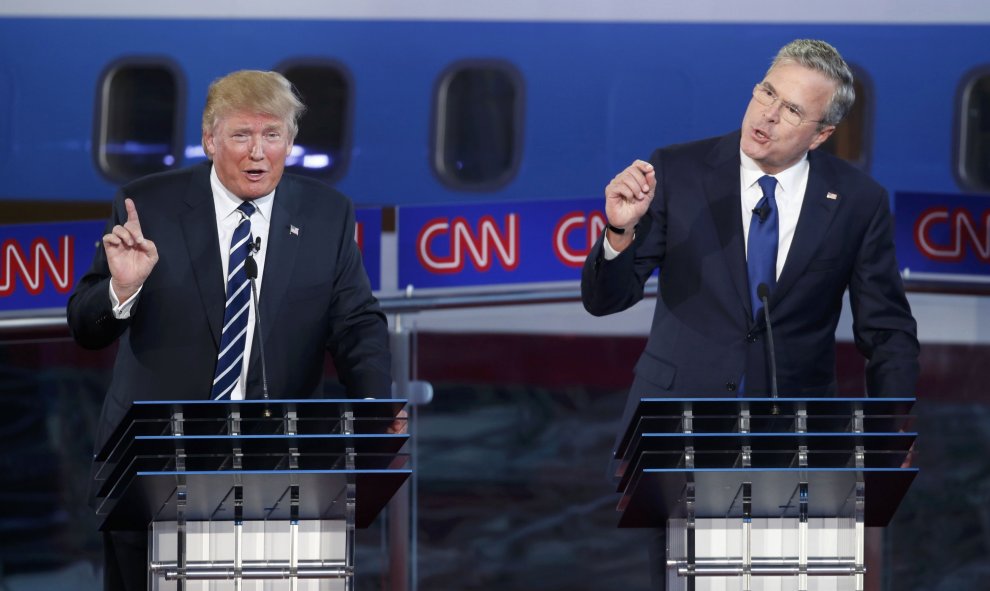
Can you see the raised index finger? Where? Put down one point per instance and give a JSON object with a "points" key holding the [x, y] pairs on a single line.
{"points": [[132, 215], [133, 223]]}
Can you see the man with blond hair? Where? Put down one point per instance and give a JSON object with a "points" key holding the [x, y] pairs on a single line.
{"points": [[170, 281]]}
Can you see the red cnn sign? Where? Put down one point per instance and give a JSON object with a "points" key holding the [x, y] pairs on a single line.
{"points": [[481, 245], [964, 234], [34, 263], [587, 226]]}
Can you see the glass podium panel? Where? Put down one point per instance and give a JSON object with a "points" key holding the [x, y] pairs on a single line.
{"points": [[269, 548]]}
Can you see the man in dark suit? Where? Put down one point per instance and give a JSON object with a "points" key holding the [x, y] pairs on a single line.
{"points": [[172, 284], [723, 216]]}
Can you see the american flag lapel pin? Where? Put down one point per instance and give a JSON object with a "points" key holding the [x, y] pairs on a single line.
{"points": [[295, 231], [832, 196]]}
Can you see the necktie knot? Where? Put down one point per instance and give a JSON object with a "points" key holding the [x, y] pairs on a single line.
{"points": [[769, 186], [247, 208]]}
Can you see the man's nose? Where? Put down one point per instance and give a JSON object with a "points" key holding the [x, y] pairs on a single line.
{"points": [[257, 152], [772, 112]]}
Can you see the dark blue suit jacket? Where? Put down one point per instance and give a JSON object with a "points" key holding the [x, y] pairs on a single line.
{"points": [[703, 338], [315, 298]]}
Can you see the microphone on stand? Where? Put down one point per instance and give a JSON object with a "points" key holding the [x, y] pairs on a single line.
{"points": [[251, 268], [763, 292]]}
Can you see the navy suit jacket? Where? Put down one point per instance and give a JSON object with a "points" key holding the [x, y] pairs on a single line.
{"points": [[704, 338], [315, 298]]}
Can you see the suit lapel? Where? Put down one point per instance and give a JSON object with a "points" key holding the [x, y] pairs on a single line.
{"points": [[725, 204], [816, 215], [199, 227], [283, 243]]}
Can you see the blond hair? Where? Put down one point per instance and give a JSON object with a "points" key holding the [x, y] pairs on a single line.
{"points": [[256, 91]]}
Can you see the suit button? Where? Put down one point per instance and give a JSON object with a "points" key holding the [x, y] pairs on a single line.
{"points": [[730, 386]]}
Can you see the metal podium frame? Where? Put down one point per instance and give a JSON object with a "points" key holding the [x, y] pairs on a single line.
{"points": [[215, 467], [803, 476]]}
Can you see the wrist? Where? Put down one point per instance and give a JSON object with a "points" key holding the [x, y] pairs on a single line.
{"points": [[123, 292], [615, 229], [619, 241]]}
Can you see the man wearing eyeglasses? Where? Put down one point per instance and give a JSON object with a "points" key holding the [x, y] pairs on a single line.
{"points": [[758, 216]]}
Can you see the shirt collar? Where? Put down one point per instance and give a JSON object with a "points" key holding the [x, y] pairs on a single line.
{"points": [[789, 179], [226, 203]]}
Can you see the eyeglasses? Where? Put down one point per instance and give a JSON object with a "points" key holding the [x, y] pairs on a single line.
{"points": [[789, 112]]}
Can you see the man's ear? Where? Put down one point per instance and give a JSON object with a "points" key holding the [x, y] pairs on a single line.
{"points": [[823, 135], [208, 144]]}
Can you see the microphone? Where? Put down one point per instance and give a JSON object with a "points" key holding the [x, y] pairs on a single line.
{"points": [[251, 268], [762, 212], [763, 292]]}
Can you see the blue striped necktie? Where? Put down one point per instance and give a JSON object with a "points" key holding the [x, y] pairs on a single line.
{"points": [[235, 315], [761, 253]]}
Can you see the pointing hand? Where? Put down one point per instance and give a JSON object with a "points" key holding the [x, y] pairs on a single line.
{"points": [[130, 255]]}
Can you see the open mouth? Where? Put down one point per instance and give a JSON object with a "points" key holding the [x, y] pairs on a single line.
{"points": [[761, 136], [255, 174]]}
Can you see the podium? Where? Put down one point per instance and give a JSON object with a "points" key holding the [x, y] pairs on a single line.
{"points": [[765, 494], [250, 494]]}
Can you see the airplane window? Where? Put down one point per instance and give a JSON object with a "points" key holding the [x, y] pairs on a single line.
{"points": [[138, 130], [850, 140], [478, 121], [322, 147], [973, 152]]}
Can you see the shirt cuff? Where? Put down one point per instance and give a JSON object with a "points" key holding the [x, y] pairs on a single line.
{"points": [[608, 253], [122, 310]]}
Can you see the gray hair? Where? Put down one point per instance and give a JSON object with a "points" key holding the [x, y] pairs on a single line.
{"points": [[822, 57]]}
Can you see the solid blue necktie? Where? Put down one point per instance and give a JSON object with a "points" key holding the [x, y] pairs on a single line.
{"points": [[235, 315], [761, 253]]}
